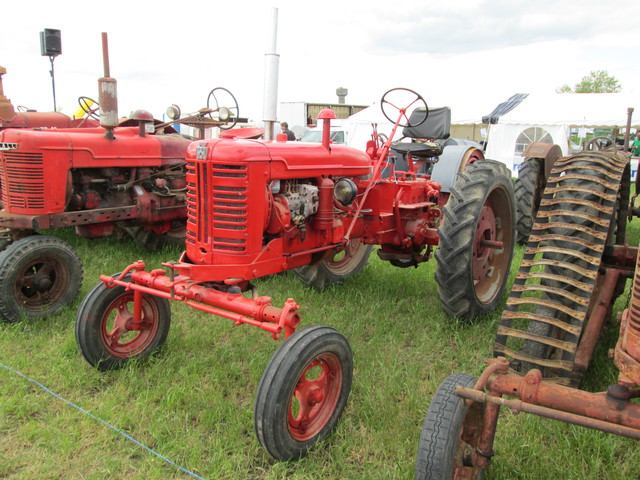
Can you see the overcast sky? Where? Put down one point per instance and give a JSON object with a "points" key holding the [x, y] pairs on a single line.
{"points": [[469, 54]]}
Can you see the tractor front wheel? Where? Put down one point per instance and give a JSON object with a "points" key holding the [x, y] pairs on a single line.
{"points": [[107, 333], [450, 434], [39, 275], [476, 240], [336, 266], [303, 392]]}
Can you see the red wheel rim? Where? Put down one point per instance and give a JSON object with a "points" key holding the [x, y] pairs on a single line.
{"points": [[121, 336], [468, 444], [339, 261], [492, 246], [315, 397]]}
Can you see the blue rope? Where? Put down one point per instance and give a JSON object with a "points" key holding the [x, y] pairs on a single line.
{"points": [[128, 437]]}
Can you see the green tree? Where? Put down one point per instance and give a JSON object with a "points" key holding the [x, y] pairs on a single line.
{"points": [[598, 81]]}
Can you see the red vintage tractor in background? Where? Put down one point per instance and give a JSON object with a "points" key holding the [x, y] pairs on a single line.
{"points": [[575, 265], [27, 118], [124, 176], [256, 208]]}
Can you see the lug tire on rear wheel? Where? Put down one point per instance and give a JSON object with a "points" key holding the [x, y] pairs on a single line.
{"points": [[39, 276], [528, 192], [336, 266], [471, 274], [303, 392], [105, 332], [450, 434]]}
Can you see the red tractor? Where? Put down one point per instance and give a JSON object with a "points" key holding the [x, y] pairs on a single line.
{"points": [[256, 208], [26, 118], [126, 176], [575, 265]]}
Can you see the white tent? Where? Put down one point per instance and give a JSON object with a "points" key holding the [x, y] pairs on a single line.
{"points": [[550, 117]]}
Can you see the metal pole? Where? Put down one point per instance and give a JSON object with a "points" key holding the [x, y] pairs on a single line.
{"points": [[53, 82], [270, 100]]}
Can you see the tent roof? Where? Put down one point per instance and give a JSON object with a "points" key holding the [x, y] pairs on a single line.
{"points": [[573, 109]]}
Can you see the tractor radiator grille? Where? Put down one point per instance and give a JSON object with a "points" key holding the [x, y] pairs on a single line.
{"points": [[22, 180], [217, 207]]}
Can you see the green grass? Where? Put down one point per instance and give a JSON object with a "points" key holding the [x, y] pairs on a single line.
{"points": [[193, 402]]}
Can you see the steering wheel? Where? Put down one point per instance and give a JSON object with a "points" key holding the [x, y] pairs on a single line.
{"points": [[395, 97], [89, 106], [222, 98], [598, 143]]}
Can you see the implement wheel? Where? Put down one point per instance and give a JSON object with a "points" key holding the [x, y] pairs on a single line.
{"points": [[450, 434], [336, 266], [303, 392], [39, 275], [476, 240], [105, 329]]}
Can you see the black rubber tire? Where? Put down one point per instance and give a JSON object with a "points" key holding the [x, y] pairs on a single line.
{"points": [[481, 184], [273, 414], [528, 191], [445, 443], [39, 276], [329, 271], [93, 316]]}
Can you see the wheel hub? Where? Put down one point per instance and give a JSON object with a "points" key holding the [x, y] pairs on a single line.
{"points": [[42, 283], [485, 243]]}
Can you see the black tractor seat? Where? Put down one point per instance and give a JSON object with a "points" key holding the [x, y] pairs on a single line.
{"points": [[427, 149]]}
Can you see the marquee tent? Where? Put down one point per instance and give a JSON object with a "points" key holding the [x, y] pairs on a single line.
{"points": [[549, 118]]}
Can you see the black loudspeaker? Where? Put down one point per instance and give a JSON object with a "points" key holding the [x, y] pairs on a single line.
{"points": [[50, 43]]}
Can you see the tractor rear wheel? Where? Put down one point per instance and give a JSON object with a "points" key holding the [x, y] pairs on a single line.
{"points": [[39, 275], [107, 333], [336, 266], [528, 192], [450, 434], [303, 392], [476, 240]]}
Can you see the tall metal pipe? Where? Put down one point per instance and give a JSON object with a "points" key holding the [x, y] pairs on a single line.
{"points": [[271, 66], [107, 93]]}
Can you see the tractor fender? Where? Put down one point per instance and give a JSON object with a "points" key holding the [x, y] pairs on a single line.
{"points": [[446, 170], [548, 152]]}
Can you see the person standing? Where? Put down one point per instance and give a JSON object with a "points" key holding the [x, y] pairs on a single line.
{"points": [[635, 146], [284, 126]]}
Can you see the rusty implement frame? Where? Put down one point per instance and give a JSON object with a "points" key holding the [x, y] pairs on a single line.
{"points": [[610, 412]]}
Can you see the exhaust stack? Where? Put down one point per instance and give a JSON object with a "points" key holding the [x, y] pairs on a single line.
{"points": [[107, 93], [271, 66]]}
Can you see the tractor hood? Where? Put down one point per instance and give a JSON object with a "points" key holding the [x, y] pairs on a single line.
{"points": [[288, 159]]}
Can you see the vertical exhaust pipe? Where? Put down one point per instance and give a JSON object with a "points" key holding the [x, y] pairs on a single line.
{"points": [[107, 93], [271, 65]]}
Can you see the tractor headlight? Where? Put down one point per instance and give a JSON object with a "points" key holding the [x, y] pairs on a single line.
{"points": [[224, 114], [345, 191], [173, 112]]}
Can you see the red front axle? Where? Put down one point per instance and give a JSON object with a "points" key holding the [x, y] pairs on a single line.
{"points": [[230, 304]]}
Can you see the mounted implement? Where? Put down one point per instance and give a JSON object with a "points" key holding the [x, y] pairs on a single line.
{"points": [[575, 265], [256, 208]]}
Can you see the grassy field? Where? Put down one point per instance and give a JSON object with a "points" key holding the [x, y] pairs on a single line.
{"points": [[193, 402]]}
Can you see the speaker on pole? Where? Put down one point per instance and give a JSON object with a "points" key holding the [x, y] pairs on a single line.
{"points": [[50, 43]]}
